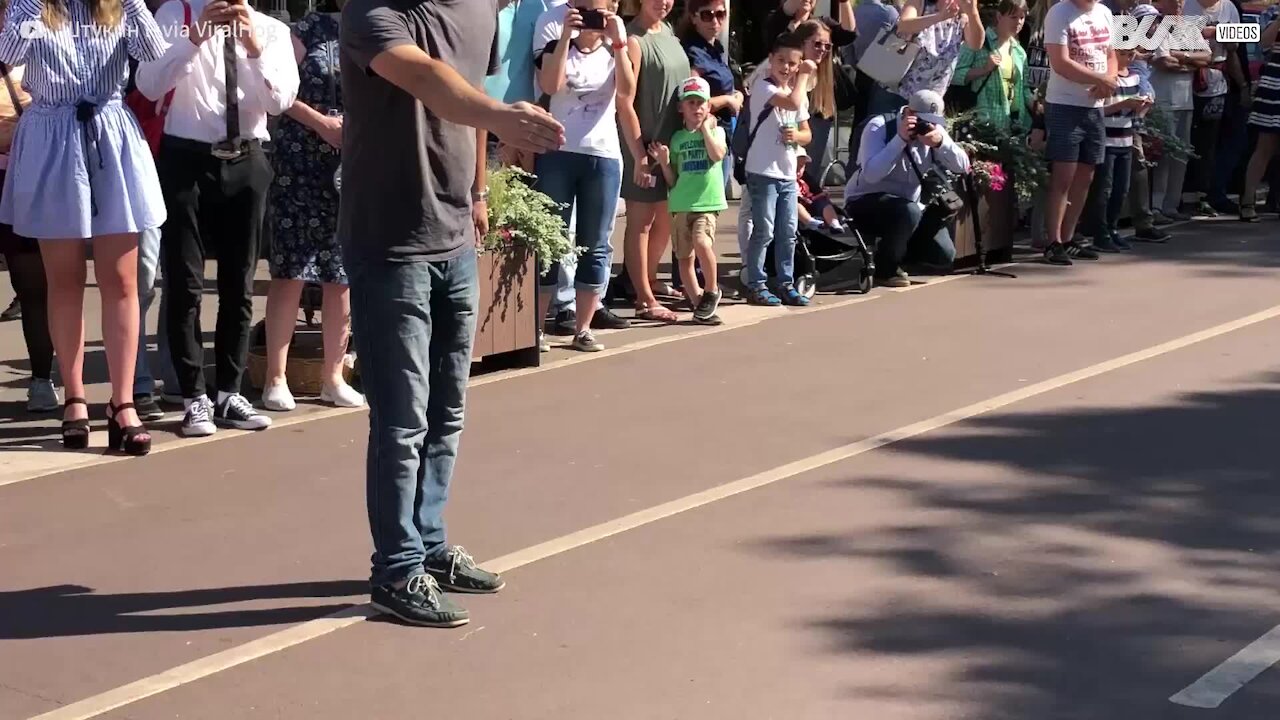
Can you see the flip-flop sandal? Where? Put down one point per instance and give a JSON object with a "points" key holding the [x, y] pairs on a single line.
{"points": [[791, 296], [657, 314], [762, 296]]}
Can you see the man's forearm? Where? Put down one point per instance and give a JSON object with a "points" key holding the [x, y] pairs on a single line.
{"points": [[437, 86], [481, 183]]}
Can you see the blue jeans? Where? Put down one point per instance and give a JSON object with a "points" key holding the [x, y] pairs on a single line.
{"points": [[144, 383], [1107, 193], [565, 297], [773, 219], [588, 185], [414, 326], [903, 232]]}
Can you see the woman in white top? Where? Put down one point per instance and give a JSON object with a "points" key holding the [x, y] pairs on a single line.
{"points": [[587, 73]]}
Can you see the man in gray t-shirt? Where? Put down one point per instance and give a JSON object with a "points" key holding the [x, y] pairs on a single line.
{"points": [[412, 211]]}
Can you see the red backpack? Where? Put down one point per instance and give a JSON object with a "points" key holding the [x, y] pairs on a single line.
{"points": [[151, 114]]}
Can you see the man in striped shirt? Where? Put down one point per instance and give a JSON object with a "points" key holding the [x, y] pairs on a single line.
{"points": [[1132, 98]]}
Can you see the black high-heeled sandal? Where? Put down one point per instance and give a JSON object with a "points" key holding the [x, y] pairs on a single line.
{"points": [[127, 439], [75, 433]]}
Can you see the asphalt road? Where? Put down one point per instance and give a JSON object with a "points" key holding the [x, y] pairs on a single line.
{"points": [[1049, 497]]}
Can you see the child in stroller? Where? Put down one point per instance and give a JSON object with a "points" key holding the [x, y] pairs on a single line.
{"points": [[812, 205], [827, 259]]}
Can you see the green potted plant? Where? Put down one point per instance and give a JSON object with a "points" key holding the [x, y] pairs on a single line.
{"points": [[526, 234], [1007, 173]]}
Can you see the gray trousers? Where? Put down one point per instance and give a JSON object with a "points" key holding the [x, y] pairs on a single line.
{"points": [[1167, 178]]}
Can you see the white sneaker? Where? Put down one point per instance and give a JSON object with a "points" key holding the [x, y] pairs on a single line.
{"points": [[235, 411], [278, 398], [197, 421], [342, 395]]}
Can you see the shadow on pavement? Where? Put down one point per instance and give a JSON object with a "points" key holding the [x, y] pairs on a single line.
{"points": [[1104, 559], [68, 610]]}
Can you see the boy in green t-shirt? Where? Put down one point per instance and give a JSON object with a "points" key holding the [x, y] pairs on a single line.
{"points": [[692, 167]]}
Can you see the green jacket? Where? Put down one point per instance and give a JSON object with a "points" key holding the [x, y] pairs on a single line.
{"points": [[993, 104]]}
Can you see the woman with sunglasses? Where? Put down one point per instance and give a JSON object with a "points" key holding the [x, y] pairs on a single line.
{"points": [[700, 35]]}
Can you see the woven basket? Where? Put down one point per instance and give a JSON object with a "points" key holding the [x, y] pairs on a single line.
{"points": [[304, 370]]}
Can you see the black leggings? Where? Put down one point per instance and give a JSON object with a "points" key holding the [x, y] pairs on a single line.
{"points": [[26, 272]]}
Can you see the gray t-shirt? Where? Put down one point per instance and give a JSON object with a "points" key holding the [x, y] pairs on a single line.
{"points": [[407, 174]]}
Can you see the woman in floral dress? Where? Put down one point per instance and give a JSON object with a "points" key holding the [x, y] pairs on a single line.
{"points": [[304, 199], [940, 28]]}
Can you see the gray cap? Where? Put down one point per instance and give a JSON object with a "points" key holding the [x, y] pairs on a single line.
{"points": [[928, 105]]}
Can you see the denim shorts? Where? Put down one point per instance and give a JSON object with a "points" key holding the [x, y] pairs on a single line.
{"points": [[1075, 134]]}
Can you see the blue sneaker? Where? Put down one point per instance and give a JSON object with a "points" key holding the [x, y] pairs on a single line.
{"points": [[1120, 243]]}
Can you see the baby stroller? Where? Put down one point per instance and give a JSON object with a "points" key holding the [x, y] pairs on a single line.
{"points": [[828, 261]]}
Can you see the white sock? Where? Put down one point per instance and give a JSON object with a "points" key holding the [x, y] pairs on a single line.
{"points": [[222, 397]]}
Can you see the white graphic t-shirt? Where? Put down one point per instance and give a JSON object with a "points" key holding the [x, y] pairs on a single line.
{"points": [[586, 105], [1087, 35], [769, 155]]}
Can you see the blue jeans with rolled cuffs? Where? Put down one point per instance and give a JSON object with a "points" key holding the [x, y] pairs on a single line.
{"points": [[414, 326], [588, 185], [773, 220]]}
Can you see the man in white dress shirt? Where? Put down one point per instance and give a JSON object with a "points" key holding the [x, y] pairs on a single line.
{"points": [[216, 176]]}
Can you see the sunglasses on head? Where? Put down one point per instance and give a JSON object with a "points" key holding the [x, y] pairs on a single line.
{"points": [[710, 15]]}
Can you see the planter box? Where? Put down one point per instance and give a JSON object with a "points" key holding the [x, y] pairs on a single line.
{"points": [[998, 216], [507, 323]]}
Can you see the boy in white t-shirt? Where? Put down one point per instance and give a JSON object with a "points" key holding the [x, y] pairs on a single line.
{"points": [[771, 169], [1082, 74]]}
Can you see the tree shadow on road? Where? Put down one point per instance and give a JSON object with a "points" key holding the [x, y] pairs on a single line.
{"points": [[1111, 557], [71, 610]]}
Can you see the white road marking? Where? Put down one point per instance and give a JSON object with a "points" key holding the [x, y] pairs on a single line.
{"points": [[105, 702], [1234, 673], [43, 463]]}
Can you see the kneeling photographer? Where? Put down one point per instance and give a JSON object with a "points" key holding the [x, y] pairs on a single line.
{"points": [[896, 192]]}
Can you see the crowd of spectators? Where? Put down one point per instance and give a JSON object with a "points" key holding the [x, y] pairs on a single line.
{"points": [[174, 148]]}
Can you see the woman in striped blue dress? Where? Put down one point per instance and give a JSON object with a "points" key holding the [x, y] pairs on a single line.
{"points": [[1264, 117], [79, 169]]}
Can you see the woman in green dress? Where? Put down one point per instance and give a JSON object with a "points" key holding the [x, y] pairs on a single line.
{"points": [[661, 65]]}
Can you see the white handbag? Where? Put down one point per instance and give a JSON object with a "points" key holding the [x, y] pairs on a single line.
{"points": [[888, 59]]}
